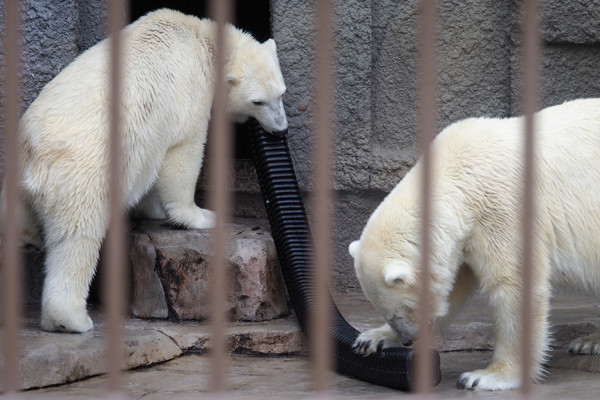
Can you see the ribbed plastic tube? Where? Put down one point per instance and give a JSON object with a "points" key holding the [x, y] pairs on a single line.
{"points": [[291, 233]]}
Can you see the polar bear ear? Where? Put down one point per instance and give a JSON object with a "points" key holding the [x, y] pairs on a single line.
{"points": [[398, 273], [271, 46], [353, 248], [232, 79]]}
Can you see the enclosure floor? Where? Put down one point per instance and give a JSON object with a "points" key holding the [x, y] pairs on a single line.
{"points": [[188, 375]]}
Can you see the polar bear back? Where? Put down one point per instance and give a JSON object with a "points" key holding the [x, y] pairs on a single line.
{"points": [[168, 64], [477, 186], [570, 186], [484, 158]]}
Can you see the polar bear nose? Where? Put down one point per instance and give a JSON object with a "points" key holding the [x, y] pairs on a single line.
{"points": [[279, 133]]}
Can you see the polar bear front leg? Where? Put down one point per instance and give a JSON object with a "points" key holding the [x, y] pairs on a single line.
{"points": [[504, 372], [177, 184], [376, 339], [70, 267]]}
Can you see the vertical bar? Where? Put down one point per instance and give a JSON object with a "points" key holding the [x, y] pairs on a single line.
{"points": [[12, 299], [426, 126], [220, 199], [321, 343], [529, 98], [115, 264]]}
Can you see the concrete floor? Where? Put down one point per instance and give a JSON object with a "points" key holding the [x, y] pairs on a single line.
{"points": [[188, 377], [181, 375]]}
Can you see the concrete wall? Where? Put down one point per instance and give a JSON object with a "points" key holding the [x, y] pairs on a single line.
{"points": [[376, 71], [54, 33]]}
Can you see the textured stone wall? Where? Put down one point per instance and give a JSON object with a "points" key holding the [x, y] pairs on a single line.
{"points": [[54, 33], [376, 70], [571, 56]]}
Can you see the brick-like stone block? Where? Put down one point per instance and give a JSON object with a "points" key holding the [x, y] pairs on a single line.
{"points": [[172, 273]]}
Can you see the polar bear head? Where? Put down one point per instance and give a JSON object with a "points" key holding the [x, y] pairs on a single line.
{"points": [[256, 86], [389, 274]]}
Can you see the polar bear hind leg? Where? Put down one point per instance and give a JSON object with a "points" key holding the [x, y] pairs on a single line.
{"points": [[70, 266], [74, 224]]}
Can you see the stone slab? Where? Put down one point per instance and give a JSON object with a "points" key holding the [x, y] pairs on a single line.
{"points": [[277, 337], [172, 273], [58, 358]]}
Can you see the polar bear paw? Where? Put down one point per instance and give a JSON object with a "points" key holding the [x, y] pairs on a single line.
{"points": [[66, 318], [483, 379], [193, 217], [589, 344], [203, 219], [375, 339]]}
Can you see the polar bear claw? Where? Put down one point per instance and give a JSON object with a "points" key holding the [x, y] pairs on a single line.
{"points": [[482, 379], [375, 339], [589, 344]]}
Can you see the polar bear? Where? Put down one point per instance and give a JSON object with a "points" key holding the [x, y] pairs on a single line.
{"points": [[476, 234], [168, 83]]}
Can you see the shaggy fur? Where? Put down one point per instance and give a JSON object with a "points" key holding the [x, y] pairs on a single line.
{"points": [[168, 85], [476, 233]]}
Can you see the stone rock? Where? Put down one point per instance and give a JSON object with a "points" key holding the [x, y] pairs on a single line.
{"points": [[271, 338], [173, 265], [51, 358], [148, 298]]}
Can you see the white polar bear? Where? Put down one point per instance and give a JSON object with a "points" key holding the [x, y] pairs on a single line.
{"points": [[168, 84], [476, 233]]}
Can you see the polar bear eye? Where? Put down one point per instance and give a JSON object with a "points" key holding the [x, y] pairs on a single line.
{"points": [[258, 103]]}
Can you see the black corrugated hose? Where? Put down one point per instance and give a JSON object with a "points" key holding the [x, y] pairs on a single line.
{"points": [[291, 233]]}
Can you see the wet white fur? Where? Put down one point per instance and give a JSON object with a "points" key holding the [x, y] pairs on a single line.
{"points": [[168, 82], [476, 233]]}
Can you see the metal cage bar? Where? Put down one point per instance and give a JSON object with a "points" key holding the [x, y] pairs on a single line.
{"points": [[529, 98], [12, 258], [426, 126], [320, 341], [115, 254], [220, 199]]}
